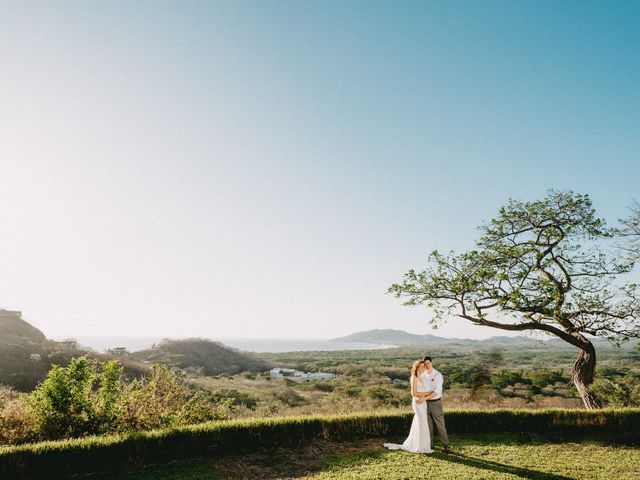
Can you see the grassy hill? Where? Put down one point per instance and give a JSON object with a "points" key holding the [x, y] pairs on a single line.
{"points": [[201, 356], [15, 331], [26, 355]]}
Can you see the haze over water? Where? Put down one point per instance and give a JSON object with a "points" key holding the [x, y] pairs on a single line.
{"points": [[245, 344]]}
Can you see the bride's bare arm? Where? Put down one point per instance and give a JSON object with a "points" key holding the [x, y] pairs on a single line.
{"points": [[421, 396]]}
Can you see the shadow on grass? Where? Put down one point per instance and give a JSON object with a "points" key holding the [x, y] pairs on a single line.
{"points": [[500, 467], [460, 459]]}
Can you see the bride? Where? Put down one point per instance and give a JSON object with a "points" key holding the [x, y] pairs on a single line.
{"points": [[419, 440]]}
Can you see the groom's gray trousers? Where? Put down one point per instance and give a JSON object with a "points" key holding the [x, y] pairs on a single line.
{"points": [[436, 415]]}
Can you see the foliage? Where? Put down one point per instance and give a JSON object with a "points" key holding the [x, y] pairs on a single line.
{"points": [[473, 376], [63, 404], [234, 398], [203, 356], [90, 397], [17, 424], [621, 391], [162, 400], [508, 378], [291, 398], [630, 231]]}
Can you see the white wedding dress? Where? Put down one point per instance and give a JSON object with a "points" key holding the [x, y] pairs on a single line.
{"points": [[419, 440]]}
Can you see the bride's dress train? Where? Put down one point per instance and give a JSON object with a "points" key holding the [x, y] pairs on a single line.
{"points": [[419, 440]]}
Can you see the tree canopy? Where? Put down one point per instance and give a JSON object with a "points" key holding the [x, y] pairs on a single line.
{"points": [[545, 265]]}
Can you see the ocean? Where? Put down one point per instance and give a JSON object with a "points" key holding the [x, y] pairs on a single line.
{"points": [[272, 345]]}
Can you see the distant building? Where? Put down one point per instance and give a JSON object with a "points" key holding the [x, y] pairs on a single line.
{"points": [[285, 372], [14, 328], [300, 376]]}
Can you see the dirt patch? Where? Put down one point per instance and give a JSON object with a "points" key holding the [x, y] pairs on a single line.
{"points": [[286, 463]]}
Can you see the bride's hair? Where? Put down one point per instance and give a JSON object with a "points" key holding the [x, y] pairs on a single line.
{"points": [[415, 367]]}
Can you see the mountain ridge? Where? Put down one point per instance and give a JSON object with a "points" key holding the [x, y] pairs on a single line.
{"points": [[401, 337]]}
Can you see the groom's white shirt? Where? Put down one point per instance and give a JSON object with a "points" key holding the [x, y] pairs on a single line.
{"points": [[435, 384]]}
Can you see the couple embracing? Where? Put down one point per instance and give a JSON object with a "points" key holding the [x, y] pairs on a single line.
{"points": [[426, 392]]}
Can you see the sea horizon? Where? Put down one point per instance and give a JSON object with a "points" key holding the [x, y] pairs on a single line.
{"points": [[101, 343]]}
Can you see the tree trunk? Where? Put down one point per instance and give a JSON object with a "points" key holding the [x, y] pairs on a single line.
{"points": [[582, 375]]}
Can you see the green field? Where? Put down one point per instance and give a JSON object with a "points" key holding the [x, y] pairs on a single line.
{"points": [[497, 456]]}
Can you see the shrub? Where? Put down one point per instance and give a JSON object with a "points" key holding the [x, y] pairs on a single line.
{"points": [[379, 393], [17, 423], [234, 398], [505, 379], [159, 401], [89, 397], [353, 391], [323, 386], [471, 377], [62, 404], [291, 398], [544, 378], [619, 392]]}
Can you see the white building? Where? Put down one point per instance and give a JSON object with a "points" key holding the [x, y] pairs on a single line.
{"points": [[300, 376], [285, 372]]}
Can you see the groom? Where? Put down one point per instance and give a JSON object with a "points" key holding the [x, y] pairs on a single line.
{"points": [[433, 381]]}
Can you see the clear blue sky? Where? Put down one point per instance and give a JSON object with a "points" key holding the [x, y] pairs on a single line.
{"points": [[269, 168]]}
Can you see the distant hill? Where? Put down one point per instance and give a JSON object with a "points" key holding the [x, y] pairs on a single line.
{"points": [[391, 337], [14, 330], [26, 356], [25, 353], [400, 337], [201, 356]]}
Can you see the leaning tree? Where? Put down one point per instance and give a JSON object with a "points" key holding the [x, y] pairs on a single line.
{"points": [[541, 266]]}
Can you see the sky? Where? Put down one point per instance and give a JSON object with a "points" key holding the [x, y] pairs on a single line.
{"points": [[269, 168]]}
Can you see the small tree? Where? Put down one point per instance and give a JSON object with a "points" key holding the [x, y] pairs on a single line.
{"points": [[77, 400], [62, 402], [538, 266]]}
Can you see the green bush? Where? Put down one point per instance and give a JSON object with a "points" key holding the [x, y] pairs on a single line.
{"points": [[619, 391], [378, 393], [161, 400], [544, 378], [66, 403], [234, 397], [88, 397], [473, 376], [117, 453], [506, 378], [291, 398]]}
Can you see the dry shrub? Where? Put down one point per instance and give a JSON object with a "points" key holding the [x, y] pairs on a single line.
{"points": [[17, 422]]}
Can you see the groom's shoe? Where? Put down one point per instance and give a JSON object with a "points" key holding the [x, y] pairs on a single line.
{"points": [[446, 450]]}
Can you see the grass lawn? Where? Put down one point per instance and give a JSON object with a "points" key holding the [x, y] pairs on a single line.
{"points": [[477, 457]]}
